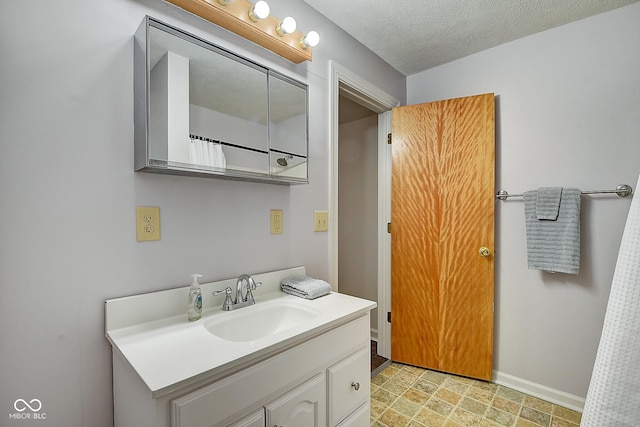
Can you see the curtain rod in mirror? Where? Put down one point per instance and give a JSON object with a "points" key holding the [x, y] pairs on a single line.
{"points": [[238, 16]]}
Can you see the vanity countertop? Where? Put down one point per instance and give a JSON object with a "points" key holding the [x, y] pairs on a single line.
{"points": [[168, 352]]}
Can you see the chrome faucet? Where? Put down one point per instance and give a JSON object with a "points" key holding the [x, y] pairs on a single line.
{"points": [[241, 300]]}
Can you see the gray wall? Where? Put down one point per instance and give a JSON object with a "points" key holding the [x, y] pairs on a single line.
{"points": [[567, 115], [358, 210], [68, 192]]}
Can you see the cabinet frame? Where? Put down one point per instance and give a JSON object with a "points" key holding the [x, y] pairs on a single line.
{"points": [[142, 158]]}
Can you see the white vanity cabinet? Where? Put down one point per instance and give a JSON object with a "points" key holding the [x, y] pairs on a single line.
{"points": [[307, 385], [312, 383], [168, 372]]}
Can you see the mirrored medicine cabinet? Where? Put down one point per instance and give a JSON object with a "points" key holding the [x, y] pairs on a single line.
{"points": [[201, 110]]}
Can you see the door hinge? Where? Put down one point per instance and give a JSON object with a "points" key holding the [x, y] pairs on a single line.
{"points": [[389, 316], [388, 138], [389, 227]]}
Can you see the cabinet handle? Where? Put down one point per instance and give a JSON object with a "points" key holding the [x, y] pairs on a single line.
{"points": [[356, 386]]}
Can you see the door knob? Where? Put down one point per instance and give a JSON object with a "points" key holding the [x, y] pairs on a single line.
{"points": [[484, 251]]}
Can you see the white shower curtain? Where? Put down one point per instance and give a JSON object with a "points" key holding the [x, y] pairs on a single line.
{"points": [[613, 399], [206, 153]]}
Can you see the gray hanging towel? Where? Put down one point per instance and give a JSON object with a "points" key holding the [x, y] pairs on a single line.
{"points": [[548, 203], [554, 245]]}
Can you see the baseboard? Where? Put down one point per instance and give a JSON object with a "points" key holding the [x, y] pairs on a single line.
{"points": [[374, 334], [380, 368], [540, 391]]}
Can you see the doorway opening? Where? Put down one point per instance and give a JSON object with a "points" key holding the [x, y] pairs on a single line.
{"points": [[361, 176], [358, 203]]}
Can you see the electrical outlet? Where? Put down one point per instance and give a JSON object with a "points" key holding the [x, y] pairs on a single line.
{"points": [[276, 221], [147, 223], [320, 221]]}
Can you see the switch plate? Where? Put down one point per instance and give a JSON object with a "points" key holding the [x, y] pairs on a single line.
{"points": [[147, 223], [276, 221], [320, 221]]}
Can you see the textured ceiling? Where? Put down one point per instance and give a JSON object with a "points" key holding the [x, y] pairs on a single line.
{"points": [[415, 35]]}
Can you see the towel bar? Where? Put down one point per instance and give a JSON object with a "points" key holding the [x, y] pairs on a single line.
{"points": [[622, 190]]}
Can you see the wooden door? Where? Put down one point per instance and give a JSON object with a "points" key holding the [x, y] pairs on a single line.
{"points": [[442, 214]]}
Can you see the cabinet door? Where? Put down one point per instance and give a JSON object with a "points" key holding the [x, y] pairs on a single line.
{"points": [[360, 418], [301, 406], [349, 384], [255, 419]]}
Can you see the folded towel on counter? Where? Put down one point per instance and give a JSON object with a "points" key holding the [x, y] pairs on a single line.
{"points": [[548, 203], [305, 287], [554, 245]]}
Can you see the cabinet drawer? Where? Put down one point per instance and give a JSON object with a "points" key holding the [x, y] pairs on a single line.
{"points": [[349, 384]]}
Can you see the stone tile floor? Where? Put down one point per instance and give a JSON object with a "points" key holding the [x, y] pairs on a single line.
{"points": [[406, 396]]}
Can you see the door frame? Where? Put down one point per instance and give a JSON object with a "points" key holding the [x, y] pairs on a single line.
{"points": [[349, 84]]}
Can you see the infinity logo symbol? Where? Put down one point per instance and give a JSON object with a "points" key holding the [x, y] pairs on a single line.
{"points": [[24, 405]]}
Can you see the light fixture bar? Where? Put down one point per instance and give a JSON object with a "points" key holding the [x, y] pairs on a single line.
{"points": [[234, 16]]}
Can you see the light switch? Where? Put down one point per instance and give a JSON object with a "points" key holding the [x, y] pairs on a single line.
{"points": [[147, 223], [320, 221]]}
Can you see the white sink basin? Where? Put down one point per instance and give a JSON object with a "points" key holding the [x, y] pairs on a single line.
{"points": [[259, 320]]}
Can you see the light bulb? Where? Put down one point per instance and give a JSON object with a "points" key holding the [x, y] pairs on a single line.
{"points": [[310, 40], [260, 10], [287, 26], [224, 2]]}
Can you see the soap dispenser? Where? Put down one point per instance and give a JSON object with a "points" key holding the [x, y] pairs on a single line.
{"points": [[194, 307]]}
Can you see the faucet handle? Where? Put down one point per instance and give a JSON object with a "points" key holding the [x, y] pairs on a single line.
{"points": [[227, 305], [224, 291], [251, 286]]}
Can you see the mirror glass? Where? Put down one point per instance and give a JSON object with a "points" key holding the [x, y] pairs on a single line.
{"points": [[211, 112], [287, 127]]}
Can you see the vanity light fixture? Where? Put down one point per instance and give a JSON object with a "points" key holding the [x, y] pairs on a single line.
{"points": [[259, 11], [254, 23], [310, 40], [287, 26]]}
